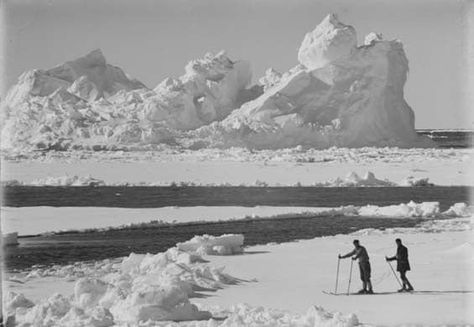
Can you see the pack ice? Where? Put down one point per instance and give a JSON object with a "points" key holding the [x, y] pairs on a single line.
{"points": [[340, 94]]}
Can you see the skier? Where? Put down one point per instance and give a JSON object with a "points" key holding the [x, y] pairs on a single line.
{"points": [[360, 253], [402, 265]]}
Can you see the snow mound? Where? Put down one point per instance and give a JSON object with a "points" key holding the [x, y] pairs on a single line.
{"points": [[239, 315], [411, 209], [207, 244], [440, 225], [458, 218], [340, 94], [425, 210], [141, 288], [460, 210], [414, 181], [68, 181], [354, 180], [13, 300], [246, 315]]}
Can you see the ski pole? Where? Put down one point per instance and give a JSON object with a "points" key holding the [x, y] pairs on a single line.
{"points": [[394, 274], [350, 277], [337, 274]]}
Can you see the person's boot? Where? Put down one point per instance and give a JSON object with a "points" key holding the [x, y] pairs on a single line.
{"points": [[363, 290], [369, 285], [409, 288], [403, 289]]}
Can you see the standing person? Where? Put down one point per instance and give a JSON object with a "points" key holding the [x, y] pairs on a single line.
{"points": [[402, 265], [360, 253]]}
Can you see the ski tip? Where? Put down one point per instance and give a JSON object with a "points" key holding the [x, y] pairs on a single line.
{"points": [[329, 293]]}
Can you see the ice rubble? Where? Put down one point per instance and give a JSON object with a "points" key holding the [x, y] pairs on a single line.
{"points": [[351, 180], [339, 94], [426, 210], [68, 181], [208, 244], [143, 290]]}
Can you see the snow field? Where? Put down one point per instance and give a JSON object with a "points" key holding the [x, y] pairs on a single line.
{"points": [[441, 255], [160, 286], [211, 167]]}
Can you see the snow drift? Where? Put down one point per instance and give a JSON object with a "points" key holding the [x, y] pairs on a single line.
{"points": [[340, 94], [208, 244]]}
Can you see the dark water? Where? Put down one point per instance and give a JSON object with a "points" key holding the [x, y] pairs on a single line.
{"points": [[155, 197], [449, 139], [71, 247]]}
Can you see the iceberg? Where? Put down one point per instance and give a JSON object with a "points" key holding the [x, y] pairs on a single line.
{"points": [[339, 94]]}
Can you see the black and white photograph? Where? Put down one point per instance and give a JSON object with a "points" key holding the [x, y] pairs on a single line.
{"points": [[232, 163]]}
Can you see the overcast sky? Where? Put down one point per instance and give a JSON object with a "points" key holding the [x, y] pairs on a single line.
{"points": [[151, 40]]}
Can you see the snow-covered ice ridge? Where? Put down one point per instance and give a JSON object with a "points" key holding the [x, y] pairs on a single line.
{"points": [[339, 94], [146, 289], [424, 210], [50, 220], [351, 180]]}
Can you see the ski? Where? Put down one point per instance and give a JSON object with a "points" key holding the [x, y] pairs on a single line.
{"points": [[375, 293], [337, 294]]}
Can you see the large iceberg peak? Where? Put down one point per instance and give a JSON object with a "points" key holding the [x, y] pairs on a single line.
{"points": [[330, 40], [95, 57]]}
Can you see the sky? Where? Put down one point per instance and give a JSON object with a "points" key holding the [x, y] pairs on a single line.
{"points": [[152, 40]]}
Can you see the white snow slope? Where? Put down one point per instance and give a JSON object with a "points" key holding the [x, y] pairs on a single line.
{"points": [[340, 94]]}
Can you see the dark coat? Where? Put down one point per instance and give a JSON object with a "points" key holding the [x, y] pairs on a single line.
{"points": [[402, 258], [359, 253]]}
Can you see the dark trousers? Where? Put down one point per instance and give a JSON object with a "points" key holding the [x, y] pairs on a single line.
{"points": [[404, 279], [403, 276], [364, 269]]}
